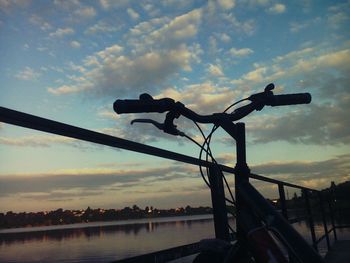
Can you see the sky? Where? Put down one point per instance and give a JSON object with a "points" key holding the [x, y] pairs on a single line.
{"points": [[70, 60]]}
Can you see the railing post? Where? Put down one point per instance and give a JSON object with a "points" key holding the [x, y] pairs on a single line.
{"points": [[219, 203], [310, 218], [283, 200], [285, 214], [324, 219], [332, 200], [331, 215]]}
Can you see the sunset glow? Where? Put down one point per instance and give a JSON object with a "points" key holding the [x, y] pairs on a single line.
{"points": [[70, 60]]}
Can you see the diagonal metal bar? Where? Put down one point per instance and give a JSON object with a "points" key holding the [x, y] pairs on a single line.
{"points": [[41, 124], [274, 181]]}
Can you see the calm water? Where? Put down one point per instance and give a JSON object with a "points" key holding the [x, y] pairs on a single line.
{"points": [[101, 242], [107, 241]]}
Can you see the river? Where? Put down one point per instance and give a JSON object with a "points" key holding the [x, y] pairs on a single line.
{"points": [[108, 241]]}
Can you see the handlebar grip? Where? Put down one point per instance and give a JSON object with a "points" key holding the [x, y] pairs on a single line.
{"points": [[289, 99], [143, 105]]}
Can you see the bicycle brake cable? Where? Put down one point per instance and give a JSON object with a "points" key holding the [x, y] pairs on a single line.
{"points": [[207, 141], [205, 147]]}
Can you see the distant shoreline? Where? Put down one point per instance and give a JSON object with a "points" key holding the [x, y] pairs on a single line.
{"points": [[148, 220], [68, 217]]}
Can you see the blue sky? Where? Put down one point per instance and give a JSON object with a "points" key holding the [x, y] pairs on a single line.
{"points": [[69, 61]]}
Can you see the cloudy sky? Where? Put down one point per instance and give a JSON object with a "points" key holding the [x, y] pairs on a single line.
{"points": [[69, 61]]}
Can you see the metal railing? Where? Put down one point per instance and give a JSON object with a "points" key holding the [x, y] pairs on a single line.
{"points": [[310, 215], [41, 124]]}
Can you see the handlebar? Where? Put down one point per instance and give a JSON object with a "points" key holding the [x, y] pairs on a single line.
{"points": [[160, 106], [147, 104], [289, 99]]}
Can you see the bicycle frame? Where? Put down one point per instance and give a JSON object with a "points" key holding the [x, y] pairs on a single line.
{"points": [[253, 210], [250, 224]]}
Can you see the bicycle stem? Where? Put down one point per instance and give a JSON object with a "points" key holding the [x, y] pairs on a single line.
{"points": [[248, 198]]}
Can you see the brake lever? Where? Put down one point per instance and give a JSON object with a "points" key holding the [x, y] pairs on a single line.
{"points": [[160, 126], [260, 98]]}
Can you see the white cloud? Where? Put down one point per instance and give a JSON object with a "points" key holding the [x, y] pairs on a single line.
{"points": [[296, 26], [294, 63], [57, 69], [108, 4], [314, 174], [27, 74], [295, 55], [102, 27], [67, 5], [257, 3], [40, 22], [148, 7], [248, 26], [159, 52], [164, 33], [338, 19], [65, 89], [180, 28], [42, 49], [257, 75], [215, 70], [227, 4], [203, 97], [85, 12], [75, 10], [35, 141], [321, 123], [277, 9], [75, 44], [152, 9], [225, 38], [301, 25], [178, 4], [114, 74], [75, 67], [61, 32], [108, 114], [213, 45], [315, 124], [91, 61], [133, 14], [243, 52], [78, 181], [110, 52], [146, 27], [104, 4], [7, 5]]}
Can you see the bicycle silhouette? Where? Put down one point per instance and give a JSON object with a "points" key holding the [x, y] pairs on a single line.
{"points": [[259, 225]]}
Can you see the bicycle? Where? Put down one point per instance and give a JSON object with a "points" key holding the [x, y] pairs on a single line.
{"points": [[259, 225]]}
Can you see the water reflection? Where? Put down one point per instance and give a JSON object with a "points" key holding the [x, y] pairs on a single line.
{"points": [[93, 231], [103, 243]]}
